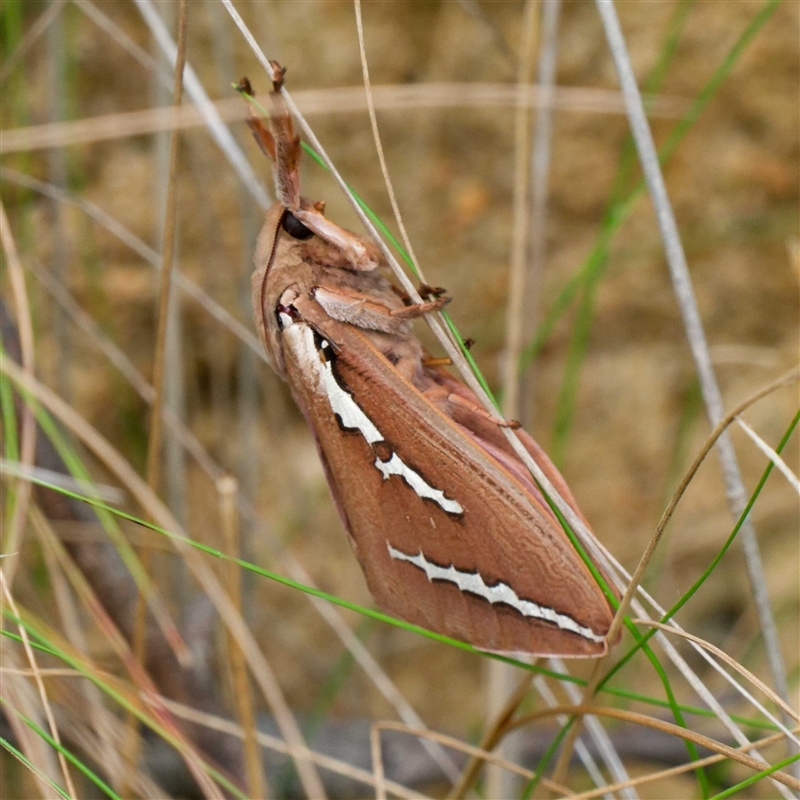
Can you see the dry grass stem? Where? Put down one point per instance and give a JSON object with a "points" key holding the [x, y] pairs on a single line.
{"points": [[735, 754], [143, 696], [493, 734], [279, 746], [108, 494], [456, 744], [675, 771], [154, 508], [518, 261], [732, 663], [12, 537], [771, 455], [695, 333], [341, 100], [228, 491], [376, 136], [634, 585], [187, 286], [500, 677], [154, 443], [72, 623], [37, 678], [22, 701], [30, 38]]}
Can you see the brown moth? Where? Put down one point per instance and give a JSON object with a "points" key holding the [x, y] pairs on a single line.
{"points": [[451, 531]]}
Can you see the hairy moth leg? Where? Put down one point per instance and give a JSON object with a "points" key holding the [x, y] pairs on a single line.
{"points": [[366, 311]]}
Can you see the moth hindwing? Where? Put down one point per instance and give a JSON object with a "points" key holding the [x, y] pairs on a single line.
{"points": [[450, 530]]}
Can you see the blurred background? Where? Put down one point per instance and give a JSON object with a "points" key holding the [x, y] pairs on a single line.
{"points": [[611, 391]]}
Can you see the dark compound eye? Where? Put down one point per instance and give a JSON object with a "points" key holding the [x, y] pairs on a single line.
{"points": [[294, 227]]}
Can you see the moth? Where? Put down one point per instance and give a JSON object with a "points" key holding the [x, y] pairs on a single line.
{"points": [[451, 531]]}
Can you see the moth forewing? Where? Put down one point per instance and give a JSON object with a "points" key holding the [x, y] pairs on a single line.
{"points": [[447, 537], [449, 528]]}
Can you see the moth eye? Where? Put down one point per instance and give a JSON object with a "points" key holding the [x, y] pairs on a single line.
{"points": [[294, 227]]}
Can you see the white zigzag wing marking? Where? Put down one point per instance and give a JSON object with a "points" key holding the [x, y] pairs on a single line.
{"points": [[473, 583], [396, 466], [324, 382], [319, 372]]}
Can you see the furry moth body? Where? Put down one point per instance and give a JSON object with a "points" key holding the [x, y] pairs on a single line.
{"points": [[450, 529]]}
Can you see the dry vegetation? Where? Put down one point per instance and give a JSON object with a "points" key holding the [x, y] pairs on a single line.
{"points": [[627, 390]]}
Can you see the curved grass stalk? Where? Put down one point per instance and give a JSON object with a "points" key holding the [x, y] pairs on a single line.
{"points": [[381, 617], [262, 672], [368, 663], [62, 751]]}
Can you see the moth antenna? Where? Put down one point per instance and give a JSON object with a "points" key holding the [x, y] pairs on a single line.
{"points": [[260, 131], [286, 142]]}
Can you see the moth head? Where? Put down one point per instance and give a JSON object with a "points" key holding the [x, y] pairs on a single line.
{"points": [[305, 234], [292, 248], [299, 218], [337, 247]]}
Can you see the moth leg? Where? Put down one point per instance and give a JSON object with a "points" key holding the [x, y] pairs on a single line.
{"points": [[475, 408], [457, 401], [359, 309], [420, 309], [358, 254], [426, 290], [444, 361]]}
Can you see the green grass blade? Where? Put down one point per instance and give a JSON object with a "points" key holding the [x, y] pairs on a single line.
{"points": [[710, 568], [32, 767], [619, 212], [74, 760], [88, 671], [765, 773]]}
